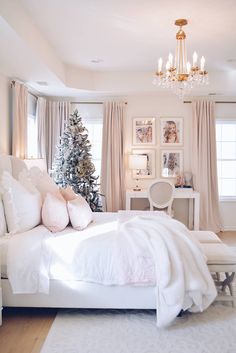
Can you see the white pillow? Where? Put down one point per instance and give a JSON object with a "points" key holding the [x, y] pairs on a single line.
{"points": [[54, 213], [22, 204], [79, 212], [3, 226]]}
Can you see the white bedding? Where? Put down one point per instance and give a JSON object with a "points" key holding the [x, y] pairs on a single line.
{"points": [[146, 250]]}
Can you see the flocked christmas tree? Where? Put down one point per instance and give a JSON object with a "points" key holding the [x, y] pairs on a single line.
{"points": [[73, 164]]}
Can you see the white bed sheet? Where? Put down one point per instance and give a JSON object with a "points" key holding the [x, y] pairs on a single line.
{"points": [[101, 220]]}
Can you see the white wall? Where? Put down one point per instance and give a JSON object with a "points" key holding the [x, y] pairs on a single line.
{"points": [[4, 115]]}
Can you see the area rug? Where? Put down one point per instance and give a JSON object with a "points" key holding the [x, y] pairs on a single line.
{"points": [[135, 331]]}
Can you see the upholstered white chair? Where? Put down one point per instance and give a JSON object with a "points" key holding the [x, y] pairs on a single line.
{"points": [[160, 195]]}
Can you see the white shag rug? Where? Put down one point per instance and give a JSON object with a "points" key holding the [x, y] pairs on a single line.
{"points": [[135, 331]]}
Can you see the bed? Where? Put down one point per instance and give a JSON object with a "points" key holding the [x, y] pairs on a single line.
{"points": [[70, 292]]}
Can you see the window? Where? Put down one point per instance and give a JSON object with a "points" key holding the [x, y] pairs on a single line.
{"points": [[226, 158], [32, 131], [92, 119]]}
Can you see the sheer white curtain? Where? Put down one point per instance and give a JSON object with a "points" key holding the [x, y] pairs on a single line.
{"points": [[204, 164], [112, 171], [19, 120], [51, 117]]}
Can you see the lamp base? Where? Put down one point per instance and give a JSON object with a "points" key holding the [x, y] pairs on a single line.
{"points": [[136, 189]]}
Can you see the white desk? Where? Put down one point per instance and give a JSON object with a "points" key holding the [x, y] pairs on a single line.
{"points": [[178, 194]]}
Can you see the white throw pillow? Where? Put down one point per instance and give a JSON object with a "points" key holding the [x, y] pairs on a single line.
{"points": [[3, 226], [79, 212], [54, 213], [22, 204]]}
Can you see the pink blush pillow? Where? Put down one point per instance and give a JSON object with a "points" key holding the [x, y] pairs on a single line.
{"points": [[68, 193], [54, 213], [80, 213]]}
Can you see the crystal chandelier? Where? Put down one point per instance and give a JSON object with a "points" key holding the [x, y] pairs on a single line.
{"points": [[180, 75]]}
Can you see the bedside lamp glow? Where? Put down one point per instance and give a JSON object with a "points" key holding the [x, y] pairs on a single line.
{"points": [[137, 162]]}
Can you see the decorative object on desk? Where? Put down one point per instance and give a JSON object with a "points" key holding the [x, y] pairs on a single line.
{"points": [[144, 131], [188, 176], [171, 163], [137, 163], [171, 131], [179, 181], [149, 171]]}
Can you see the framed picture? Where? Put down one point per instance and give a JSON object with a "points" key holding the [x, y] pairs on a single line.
{"points": [[150, 171], [144, 131], [171, 131], [171, 163]]}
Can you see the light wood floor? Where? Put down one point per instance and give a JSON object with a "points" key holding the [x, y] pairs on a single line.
{"points": [[24, 330]]}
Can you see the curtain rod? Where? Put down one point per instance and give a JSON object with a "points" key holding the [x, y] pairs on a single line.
{"points": [[224, 102], [89, 102]]}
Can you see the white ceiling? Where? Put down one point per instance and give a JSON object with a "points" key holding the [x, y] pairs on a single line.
{"points": [[56, 40], [132, 34]]}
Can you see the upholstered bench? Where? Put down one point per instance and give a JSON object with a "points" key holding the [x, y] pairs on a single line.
{"points": [[221, 261], [206, 236]]}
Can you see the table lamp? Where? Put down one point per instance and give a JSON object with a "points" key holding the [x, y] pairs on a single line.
{"points": [[137, 162]]}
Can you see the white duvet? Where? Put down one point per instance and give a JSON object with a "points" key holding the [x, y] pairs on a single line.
{"points": [[145, 250]]}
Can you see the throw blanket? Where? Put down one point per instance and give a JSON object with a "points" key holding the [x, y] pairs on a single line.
{"points": [[147, 250]]}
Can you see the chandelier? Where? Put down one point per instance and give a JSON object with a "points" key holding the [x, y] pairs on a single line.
{"points": [[179, 74]]}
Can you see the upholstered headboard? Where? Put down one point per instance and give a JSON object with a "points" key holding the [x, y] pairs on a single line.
{"points": [[13, 166]]}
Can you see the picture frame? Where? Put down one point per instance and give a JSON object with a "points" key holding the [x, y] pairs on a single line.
{"points": [[150, 172], [171, 163], [144, 131], [171, 131]]}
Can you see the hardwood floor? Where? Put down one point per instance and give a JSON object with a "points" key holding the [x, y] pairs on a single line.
{"points": [[25, 329]]}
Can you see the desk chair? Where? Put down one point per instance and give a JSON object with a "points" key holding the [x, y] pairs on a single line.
{"points": [[160, 195]]}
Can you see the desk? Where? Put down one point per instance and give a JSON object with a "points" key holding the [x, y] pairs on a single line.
{"points": [[178, 194]]}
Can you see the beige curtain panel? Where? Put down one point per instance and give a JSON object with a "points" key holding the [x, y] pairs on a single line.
{"points": [[19, 120], [41, 121], [51, 118], [112, 171], [204, 164]]}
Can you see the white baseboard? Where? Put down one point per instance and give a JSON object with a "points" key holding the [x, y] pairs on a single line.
{"points": [[229, 228]]}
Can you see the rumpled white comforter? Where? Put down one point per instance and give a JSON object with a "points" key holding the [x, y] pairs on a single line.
{"points": [[145, 250]]}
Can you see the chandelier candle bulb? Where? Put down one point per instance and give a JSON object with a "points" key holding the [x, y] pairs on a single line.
{"points": [[170, 59], [194, 59], [160, 64], [188, 67], [167, 65], [202, 63]]}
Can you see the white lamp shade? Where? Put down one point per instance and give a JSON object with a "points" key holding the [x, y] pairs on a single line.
{"points": [[137, 161]]}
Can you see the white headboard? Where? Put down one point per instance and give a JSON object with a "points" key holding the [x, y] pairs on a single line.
{"points": [[12, 165]]}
